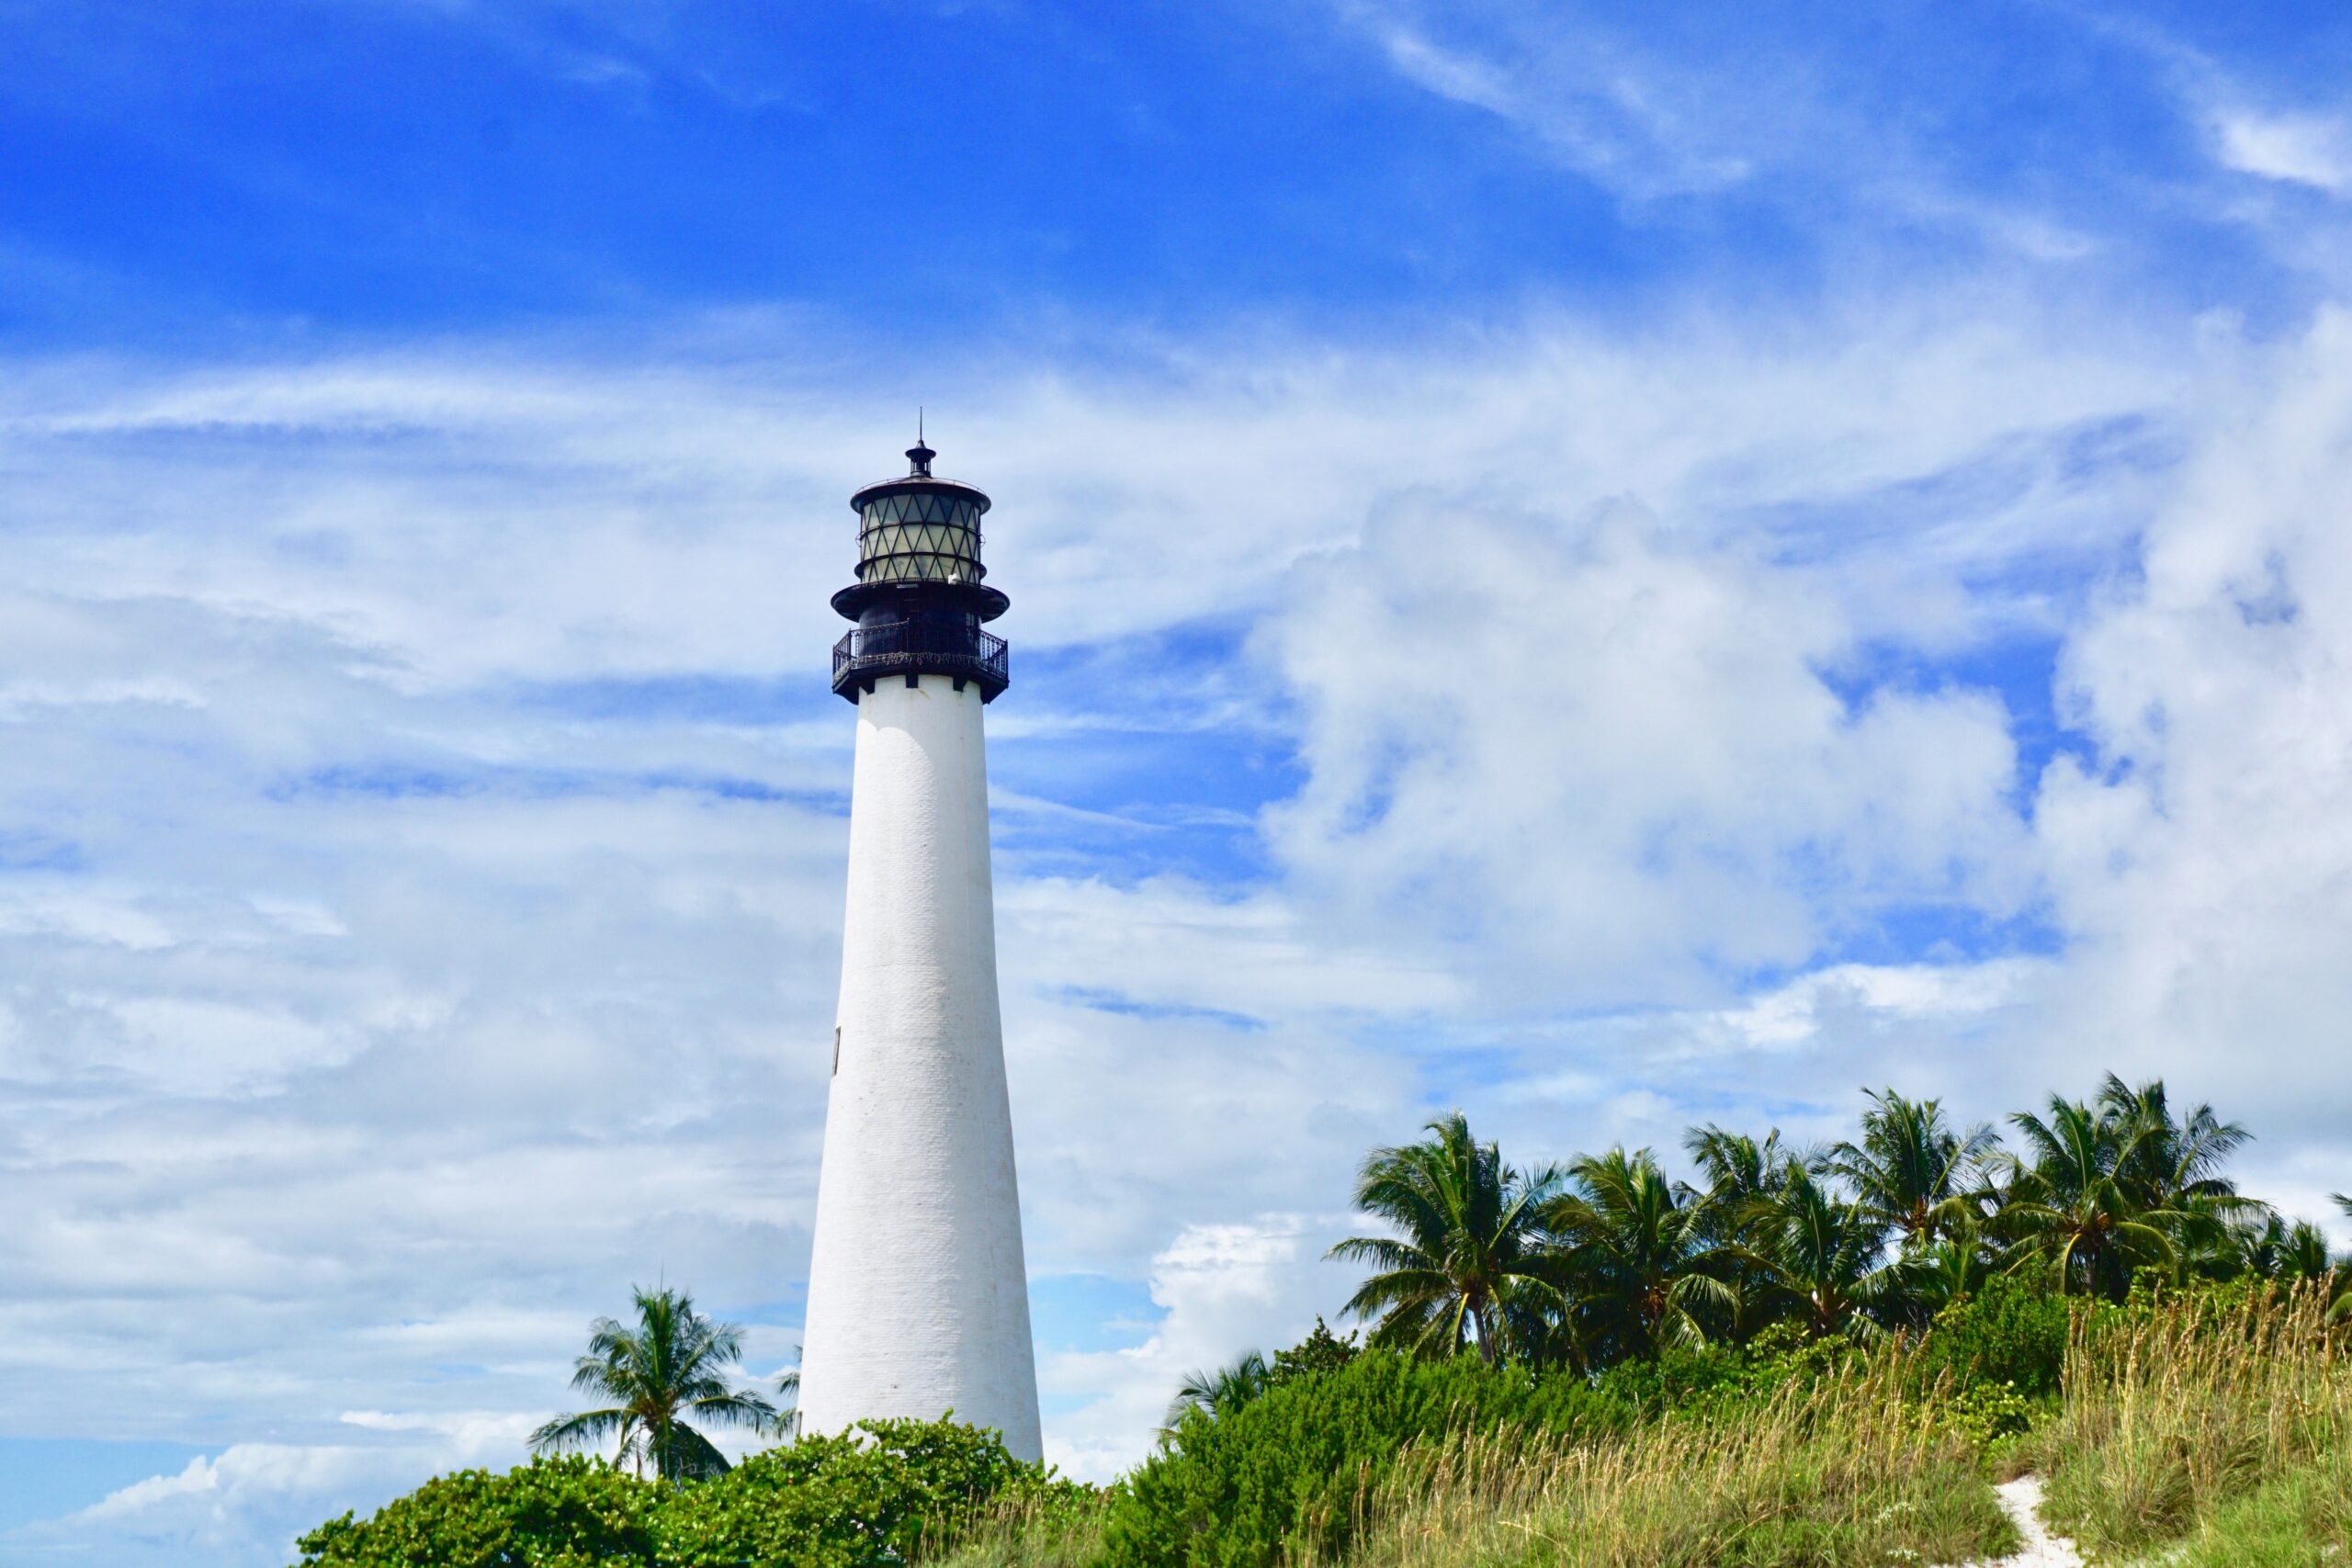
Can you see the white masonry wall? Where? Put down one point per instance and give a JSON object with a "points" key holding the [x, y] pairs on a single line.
{"points": [[918, 1298]]}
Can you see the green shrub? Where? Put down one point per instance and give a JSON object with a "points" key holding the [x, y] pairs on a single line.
{"points": [[823, 1502], [839, 1502], [1984, 1412], [1286, 1474], [1321, 1351], [1676, 1377], [558, 1513], [1722, 1377], [2012, 1331]]}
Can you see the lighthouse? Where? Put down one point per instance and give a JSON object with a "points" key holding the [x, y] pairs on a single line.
{"points": [[918, 1298]]}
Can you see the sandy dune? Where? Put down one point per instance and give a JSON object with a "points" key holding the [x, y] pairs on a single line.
{"points": [[2022, 1499]]}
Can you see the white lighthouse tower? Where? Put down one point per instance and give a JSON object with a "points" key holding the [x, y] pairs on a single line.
{"points": [[918, 1299]]}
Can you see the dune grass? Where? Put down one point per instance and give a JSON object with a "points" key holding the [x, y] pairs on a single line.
{"points": [[2212, 1421], [2207, 1431], [1053, 1531], [1854, 1470], [2301, 1519]]}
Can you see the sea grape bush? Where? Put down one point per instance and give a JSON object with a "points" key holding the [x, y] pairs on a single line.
{"points": [[865, 1501], [551, 1513], [1286, 1473], [2011, 1332]]}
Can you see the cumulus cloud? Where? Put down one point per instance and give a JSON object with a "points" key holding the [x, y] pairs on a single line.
{"points": [[2200, 858], [246, 1503], [1599, 762], [1223, 1289]]}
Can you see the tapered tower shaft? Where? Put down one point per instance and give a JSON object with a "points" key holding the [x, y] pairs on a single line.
{"points": [[918, 1296]]}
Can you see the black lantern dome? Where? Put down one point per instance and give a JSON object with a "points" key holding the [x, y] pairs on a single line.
{"points": [[919, 599]]}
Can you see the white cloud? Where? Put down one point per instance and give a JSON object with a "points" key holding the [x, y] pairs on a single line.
{"points": [[2200, 862], [380, 995], [2300, 149], [1607, 109], [1224, 1289], [1723, 106], [1891, 995], [1600, 762]]}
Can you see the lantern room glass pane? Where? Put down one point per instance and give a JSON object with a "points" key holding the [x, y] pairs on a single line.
{"points": [[924, 536]]}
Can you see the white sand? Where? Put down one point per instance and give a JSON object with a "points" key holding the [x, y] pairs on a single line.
{"points": [[2022, 1500]]}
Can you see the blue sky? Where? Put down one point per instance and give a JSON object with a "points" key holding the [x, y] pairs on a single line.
{"points": [[1604, 566]]}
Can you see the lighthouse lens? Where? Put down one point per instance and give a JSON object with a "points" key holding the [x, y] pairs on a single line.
{"points": [[920, 537]]}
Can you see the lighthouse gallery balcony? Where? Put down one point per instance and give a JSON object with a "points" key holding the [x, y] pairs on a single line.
{"points": [[922, 647]]}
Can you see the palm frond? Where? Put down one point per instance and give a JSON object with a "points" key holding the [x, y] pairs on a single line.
{"points": [[583, 1430]]}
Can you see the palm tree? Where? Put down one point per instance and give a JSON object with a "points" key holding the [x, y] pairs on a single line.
{"points": [[1470, 1263], [1947, 1269], [2340, 1288], [2070, 1209], [2176, 1164], [1913, 1173], [1222, 1392], [1741, 1171], [1643, 1254], [1827, 1259], [787, 1395], [669, 1365], [2171, 1162], [2277, 1250], [1743, 1177]]}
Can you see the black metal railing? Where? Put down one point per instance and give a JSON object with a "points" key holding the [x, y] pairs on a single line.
{"points": [[865, 654]]}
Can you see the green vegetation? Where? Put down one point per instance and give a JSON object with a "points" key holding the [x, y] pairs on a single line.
{"points": [[672, 1364], [2216, 1414], [1469, 1265], [1840, 1471], [843, 1502], [1235, 1485], [547, 1513], [1804, 1358], [834, 1501]]}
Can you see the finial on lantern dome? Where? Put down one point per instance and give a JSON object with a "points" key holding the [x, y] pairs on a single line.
{"points": [[919, 454]]}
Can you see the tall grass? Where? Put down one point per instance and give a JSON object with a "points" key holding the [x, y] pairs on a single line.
{"points": [[1054, 1529], [1855, 1470], [2299, 1519], [2173, 1414], [2210, 1431]]}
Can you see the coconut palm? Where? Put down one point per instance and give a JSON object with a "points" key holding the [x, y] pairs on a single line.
{"points": [[1828, 1263], [2168, 1161], [2069, 1208], [1221, 1392], [2340, 1287], [670, 1364], [1740, 1169], [2174, 1162], [1644, 1255], [1912, 1170], [1469, 1263], [1949, 1267], [787, 1395], [1743, 1175], [2277, 1250]]}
